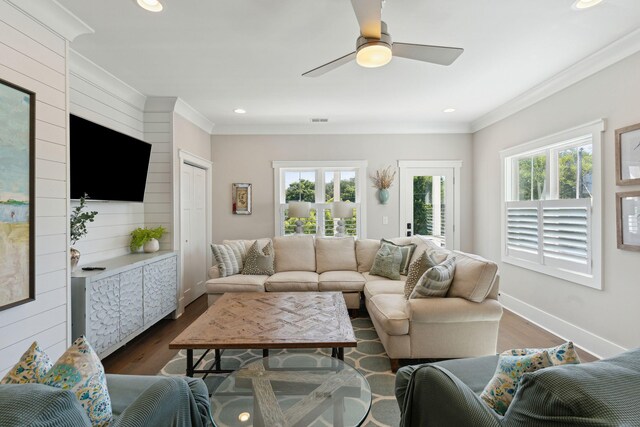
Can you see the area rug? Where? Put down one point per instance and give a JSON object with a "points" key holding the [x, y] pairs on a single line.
{"points": [[368, 357]]}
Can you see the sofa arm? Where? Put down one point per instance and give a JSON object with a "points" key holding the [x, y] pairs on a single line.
{"points": [[453, 310], [214, 272], [436, 397], [140, 400]]}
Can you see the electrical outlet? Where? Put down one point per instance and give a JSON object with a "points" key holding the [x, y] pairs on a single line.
{"points": [[385, 220]]}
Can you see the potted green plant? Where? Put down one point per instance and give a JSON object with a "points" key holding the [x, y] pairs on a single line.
{"points": [[78, 228], [146, 238]]}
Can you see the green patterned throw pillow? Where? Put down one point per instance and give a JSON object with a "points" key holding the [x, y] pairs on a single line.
{"points": [[259, 262], [387, 262], [79, 369], [499, 392], [229, 257], [435, 282], [407, 252], [31, 368], [564, 354]]}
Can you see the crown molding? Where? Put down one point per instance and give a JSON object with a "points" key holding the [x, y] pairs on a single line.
{"points": [[376, 128], [93, 74], [54, 16], [160, 104], [605, 57], [193, 115]]}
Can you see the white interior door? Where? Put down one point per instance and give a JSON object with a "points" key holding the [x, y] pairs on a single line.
{"points": [[428, 203], [194, 232]]}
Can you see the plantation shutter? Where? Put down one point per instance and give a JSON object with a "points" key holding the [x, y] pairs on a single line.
{"points": [[523, 230], [566, 230]]}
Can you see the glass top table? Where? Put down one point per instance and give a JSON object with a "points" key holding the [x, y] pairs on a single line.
{"points": [[294, 389]]}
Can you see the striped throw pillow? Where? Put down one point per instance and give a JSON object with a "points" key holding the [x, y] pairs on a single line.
{"points": [[435, 282], [228, 258]]}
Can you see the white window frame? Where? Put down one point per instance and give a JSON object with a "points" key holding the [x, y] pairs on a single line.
{"points": [[592, 276], [320, 167]]}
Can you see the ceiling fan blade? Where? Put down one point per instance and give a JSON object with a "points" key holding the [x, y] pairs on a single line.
{"points": [[369, 14], [436, 54], [330, 65]]}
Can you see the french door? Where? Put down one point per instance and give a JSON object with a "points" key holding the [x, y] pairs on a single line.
{"points": [[428, 201]]}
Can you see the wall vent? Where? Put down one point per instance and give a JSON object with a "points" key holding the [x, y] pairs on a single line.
{"points": [[319, 120]]}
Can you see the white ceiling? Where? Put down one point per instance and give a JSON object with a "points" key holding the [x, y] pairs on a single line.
{"points": [[217, 55]]}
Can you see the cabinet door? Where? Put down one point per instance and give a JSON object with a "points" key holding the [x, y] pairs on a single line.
{"points": [[130, 302], [153, 294], [104, 314], [169, 287]]}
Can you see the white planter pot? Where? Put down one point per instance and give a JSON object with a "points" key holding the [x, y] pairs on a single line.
{"points": [[151, 246]]}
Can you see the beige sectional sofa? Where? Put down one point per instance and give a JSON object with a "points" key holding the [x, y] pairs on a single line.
{"points": [[463, 324]]}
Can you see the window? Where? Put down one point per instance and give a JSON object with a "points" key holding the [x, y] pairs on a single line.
{"points": [[319, 183], [552, 205]]}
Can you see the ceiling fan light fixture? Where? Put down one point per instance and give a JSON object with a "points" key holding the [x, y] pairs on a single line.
{"points": [[374, 54], [584, 4], [150, 5]]}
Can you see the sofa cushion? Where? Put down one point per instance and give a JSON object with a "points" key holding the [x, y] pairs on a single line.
{"points": [[368, 277], [32, 366], [259, 262], [378, 287], [603, 393], [435, 282], [335, 254], [500, 390], [294, 253], [340, 281], [292, 281], [474, 277], [407, 254], [387, 262], [391, 313], [366, 250], [237, 283]]}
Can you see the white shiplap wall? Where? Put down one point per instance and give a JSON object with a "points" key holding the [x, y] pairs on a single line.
{"points": [[34, 57], [98, 96]]}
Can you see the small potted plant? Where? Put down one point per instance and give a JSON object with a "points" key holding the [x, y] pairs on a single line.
{"points": [[146, 238], [78, 228], [382, 180]]}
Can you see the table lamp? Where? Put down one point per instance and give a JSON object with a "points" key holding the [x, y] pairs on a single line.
{"points": [[341, 210], [299, 210]]}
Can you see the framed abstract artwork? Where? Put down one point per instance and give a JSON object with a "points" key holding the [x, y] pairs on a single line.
{"points": [[628, 220], [241, 198], [628, 155], [17, 195]]}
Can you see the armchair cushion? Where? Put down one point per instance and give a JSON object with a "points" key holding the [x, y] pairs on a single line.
{"points": [[335, 254]]}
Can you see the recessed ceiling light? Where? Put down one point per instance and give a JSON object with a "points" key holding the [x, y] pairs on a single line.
{"points": [[151, 5], [448, 110], [583, 4], [239, 111]]}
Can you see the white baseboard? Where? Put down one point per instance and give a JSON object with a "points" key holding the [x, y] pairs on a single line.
{"points": [[594, 344]]}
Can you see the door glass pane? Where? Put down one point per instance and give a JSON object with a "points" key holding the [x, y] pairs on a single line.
{"points": [[429, 207], [300, 186]]}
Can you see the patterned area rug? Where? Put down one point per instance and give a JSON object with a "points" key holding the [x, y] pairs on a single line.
{"points": [[368, 357]]}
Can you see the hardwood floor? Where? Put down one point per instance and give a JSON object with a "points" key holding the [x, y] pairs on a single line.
{"points": [[149, 352]]}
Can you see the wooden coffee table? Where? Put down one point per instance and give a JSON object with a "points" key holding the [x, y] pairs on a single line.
{"points": [[268, 320]]}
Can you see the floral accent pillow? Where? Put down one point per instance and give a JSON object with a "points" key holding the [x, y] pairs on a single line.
{"points": [[564, 354], [31, 368], [79, 369], [499, 392]]}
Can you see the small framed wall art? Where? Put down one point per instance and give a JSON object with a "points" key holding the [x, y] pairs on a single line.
{"points": [[628, 220], [241, 198], [17, 195], [628, 155]]}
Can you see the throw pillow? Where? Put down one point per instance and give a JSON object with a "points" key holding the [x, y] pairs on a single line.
{"points": [[435, 282], [259, 262], [564, 354], [79, 369], [407, 252], [228, 257], [31, 368], [387, 262], [499, 392], [416, 270]]}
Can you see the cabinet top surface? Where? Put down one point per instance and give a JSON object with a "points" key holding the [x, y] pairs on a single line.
{"points": [[124, 262]]}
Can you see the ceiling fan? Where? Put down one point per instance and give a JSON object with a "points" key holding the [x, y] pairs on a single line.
{"points": [[374, 47]]}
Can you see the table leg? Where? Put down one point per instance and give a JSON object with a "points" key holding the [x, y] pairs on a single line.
{"points": [[334, 352], [265, 352], [340, 353], [218, 359], [189, 362]]}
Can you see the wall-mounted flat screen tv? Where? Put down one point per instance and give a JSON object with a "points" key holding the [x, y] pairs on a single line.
{"points": [[106, 164]]}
